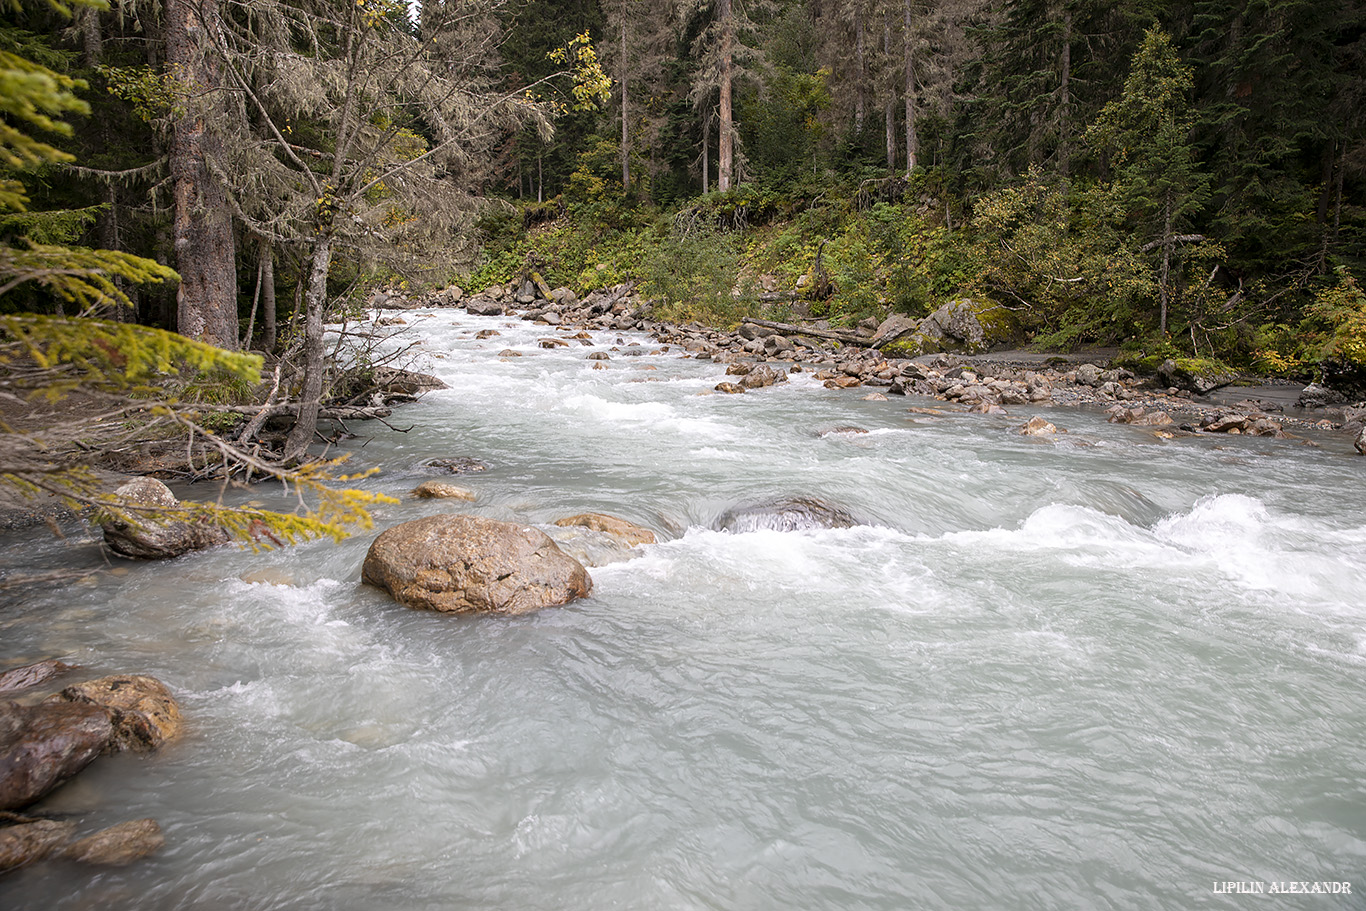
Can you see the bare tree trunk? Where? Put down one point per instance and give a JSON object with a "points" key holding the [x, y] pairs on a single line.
{"points": [[726, 154], [1065, 99], [861, 73], [706, 153], [625, 122], [202, 225], [1167, 243], [889, 105], [310, 397], [268, 316], [908, 53], [92, 41]]}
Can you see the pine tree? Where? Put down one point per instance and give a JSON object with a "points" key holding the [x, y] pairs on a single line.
{"points": [[1147, 134]]}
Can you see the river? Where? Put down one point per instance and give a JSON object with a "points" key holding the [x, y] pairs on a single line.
{"points": [[1099, 671]]}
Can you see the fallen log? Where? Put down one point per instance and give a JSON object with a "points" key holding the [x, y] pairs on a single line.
{"points": [[847, 338], [327, 412]]}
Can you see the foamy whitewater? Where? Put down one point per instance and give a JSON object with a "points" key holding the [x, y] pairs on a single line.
{"points": [[1102, 671]]}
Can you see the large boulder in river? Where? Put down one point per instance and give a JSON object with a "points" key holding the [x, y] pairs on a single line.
{"points": [[144, 713], [785, 514], [152, 536], [470, 564], [43, 745]]}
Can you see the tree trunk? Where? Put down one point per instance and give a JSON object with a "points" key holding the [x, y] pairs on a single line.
{"points": [[625, 128], [268, 321], [92, 41], [1168, 241], [310, 398], [1065, 99], [202, 224], [726, 154], [706, 153], [908, 53], [889, 105], [860, 74]]}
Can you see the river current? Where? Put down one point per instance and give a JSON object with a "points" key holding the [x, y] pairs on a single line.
{"points": [[1098, 671]]}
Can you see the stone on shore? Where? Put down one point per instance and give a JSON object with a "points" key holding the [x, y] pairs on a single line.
{"points": [[143, 711], [41, 746], [470, 564], [155, 537]]}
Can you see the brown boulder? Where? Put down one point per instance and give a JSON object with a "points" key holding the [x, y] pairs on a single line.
{"points": [[144, 712], [470, 564], [1037, 426], [118, 845], [631, 533], [155, 537], [42, 746]]}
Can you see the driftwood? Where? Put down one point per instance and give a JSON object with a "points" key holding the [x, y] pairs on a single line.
{"points": [[847, 338], [326, 412]]}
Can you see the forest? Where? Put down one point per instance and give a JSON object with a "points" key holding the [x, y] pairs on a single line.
{"points": [[1177, 178]]}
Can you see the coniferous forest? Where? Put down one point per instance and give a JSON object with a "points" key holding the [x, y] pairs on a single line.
{"points": [[1180, 178]]}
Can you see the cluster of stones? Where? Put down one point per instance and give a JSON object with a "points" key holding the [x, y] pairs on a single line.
{"points": [[45, 743]]}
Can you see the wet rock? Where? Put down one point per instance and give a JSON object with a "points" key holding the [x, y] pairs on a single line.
{"points": [[484, 306], [553, 343], [589, 547], [462, 465], [762, 376], [508, 352], [43, 745], [875, 397], [30, 675], [470, 564], [118, 845], [156, 537], [628, 531], [487, 333], [729, 388], [1037, 426], [438, 490], [1119, 414], [785, 514], [31, 842], [392, 381], [144, 713], [1360, 443], [599, 356]]}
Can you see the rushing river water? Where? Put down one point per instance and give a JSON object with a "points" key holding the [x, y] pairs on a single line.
{"points": [[1102, 671]]}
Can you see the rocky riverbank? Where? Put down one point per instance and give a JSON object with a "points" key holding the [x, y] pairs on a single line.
{"points": [[760, 353]]}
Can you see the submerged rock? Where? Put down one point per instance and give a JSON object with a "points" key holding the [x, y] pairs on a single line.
{"points": [[33, 841], [439, 490], [153, 537], [470, 564], [118, 845], [143, 711], [785, 514], [629, 532], [463, 465], [41, 746], [21, 678]]}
